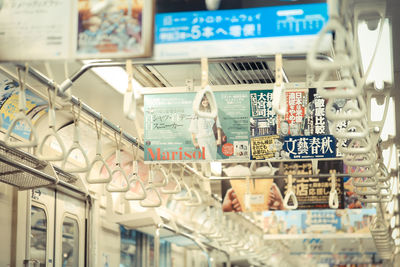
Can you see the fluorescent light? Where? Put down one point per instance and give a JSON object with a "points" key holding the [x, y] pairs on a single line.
{"points": [[117, 78], [382, 67]]}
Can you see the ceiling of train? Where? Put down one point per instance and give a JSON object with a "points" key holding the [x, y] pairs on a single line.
{"points": [[99, 95]]}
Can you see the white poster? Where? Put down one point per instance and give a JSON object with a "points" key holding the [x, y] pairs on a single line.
{"points": [[35, 29]]}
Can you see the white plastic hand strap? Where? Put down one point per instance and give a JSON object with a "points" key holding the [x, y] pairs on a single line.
{"points": [[130, 195], [351, 110], [186, 196], [365, 182], [265, 170], [21, 117], [341, 59], [76, 146], [158, 169], [123, 186], [358, 146], [195, 200], [346, 89], [52, 132], [129, 96], [177, 188], [278, 97], [359, 160], [212, 110], [98, 178], [147, 204], [333, 195], [290, 195]]}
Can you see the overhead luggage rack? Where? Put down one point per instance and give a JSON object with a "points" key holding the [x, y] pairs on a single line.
{"points": [[22, 170], [70, 181]]}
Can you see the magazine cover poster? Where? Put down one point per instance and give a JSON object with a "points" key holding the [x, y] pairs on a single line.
{"points": [[262, 116], [174, 133]]}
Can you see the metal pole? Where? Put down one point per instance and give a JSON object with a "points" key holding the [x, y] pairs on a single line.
{"points": [[157, 248], [322, 175], [74, 100]]}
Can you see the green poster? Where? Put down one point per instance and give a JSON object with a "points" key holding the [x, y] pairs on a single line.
{"points": [[172, 131]]}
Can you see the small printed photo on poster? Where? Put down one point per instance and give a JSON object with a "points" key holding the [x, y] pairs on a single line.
{"points": [[241, 148]]}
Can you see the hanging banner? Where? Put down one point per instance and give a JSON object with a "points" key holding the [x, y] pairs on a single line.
{"points": [[198, 30], [35, 30], [173, 133], [318, 221], [248, 127], [112, 29], [241, 195]]}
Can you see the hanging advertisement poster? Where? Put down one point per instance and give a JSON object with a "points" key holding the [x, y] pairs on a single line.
{"points": [[296, 105], [262, 116], [315, 121], [207, 29], [35, 30], [109, 29], [9, 97], [318, 221], [250, 195], [173, 133]]}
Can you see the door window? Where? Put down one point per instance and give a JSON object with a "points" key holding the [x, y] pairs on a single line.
{"points": [[38, 235], [70, 243]]}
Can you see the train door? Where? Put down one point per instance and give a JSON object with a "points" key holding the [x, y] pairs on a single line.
{"points": [[70, 231], [40, 242], [57, 230]]}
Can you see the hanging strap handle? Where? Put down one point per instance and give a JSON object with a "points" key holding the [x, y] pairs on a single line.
{"points": [[134, 178], [21, 117], [52, 131], [150, 188], [177, 188], [124, 186], [333, 195], [290, 195], [76, 145], [188, 195], [195, 199], [129, 195], [98, 179], [129, 96], [278, 100]]}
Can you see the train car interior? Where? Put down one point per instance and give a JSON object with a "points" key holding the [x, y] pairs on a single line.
{"points": [[192, 133]]}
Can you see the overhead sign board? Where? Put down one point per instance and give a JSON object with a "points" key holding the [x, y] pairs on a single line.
{"points": [[260, 30]]}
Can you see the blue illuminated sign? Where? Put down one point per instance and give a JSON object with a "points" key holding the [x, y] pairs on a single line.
{"points": [[275, 21]]}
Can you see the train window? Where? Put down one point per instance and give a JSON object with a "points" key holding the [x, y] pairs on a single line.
{"points": [[70, 242], [128, 247], [38, 235]]}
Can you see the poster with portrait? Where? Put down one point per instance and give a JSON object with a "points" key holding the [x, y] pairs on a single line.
{"points": [[109, 29], [172, 132]]}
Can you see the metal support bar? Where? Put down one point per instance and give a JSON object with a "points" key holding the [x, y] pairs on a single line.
{"points": [[323, 175], [51, 84]]}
